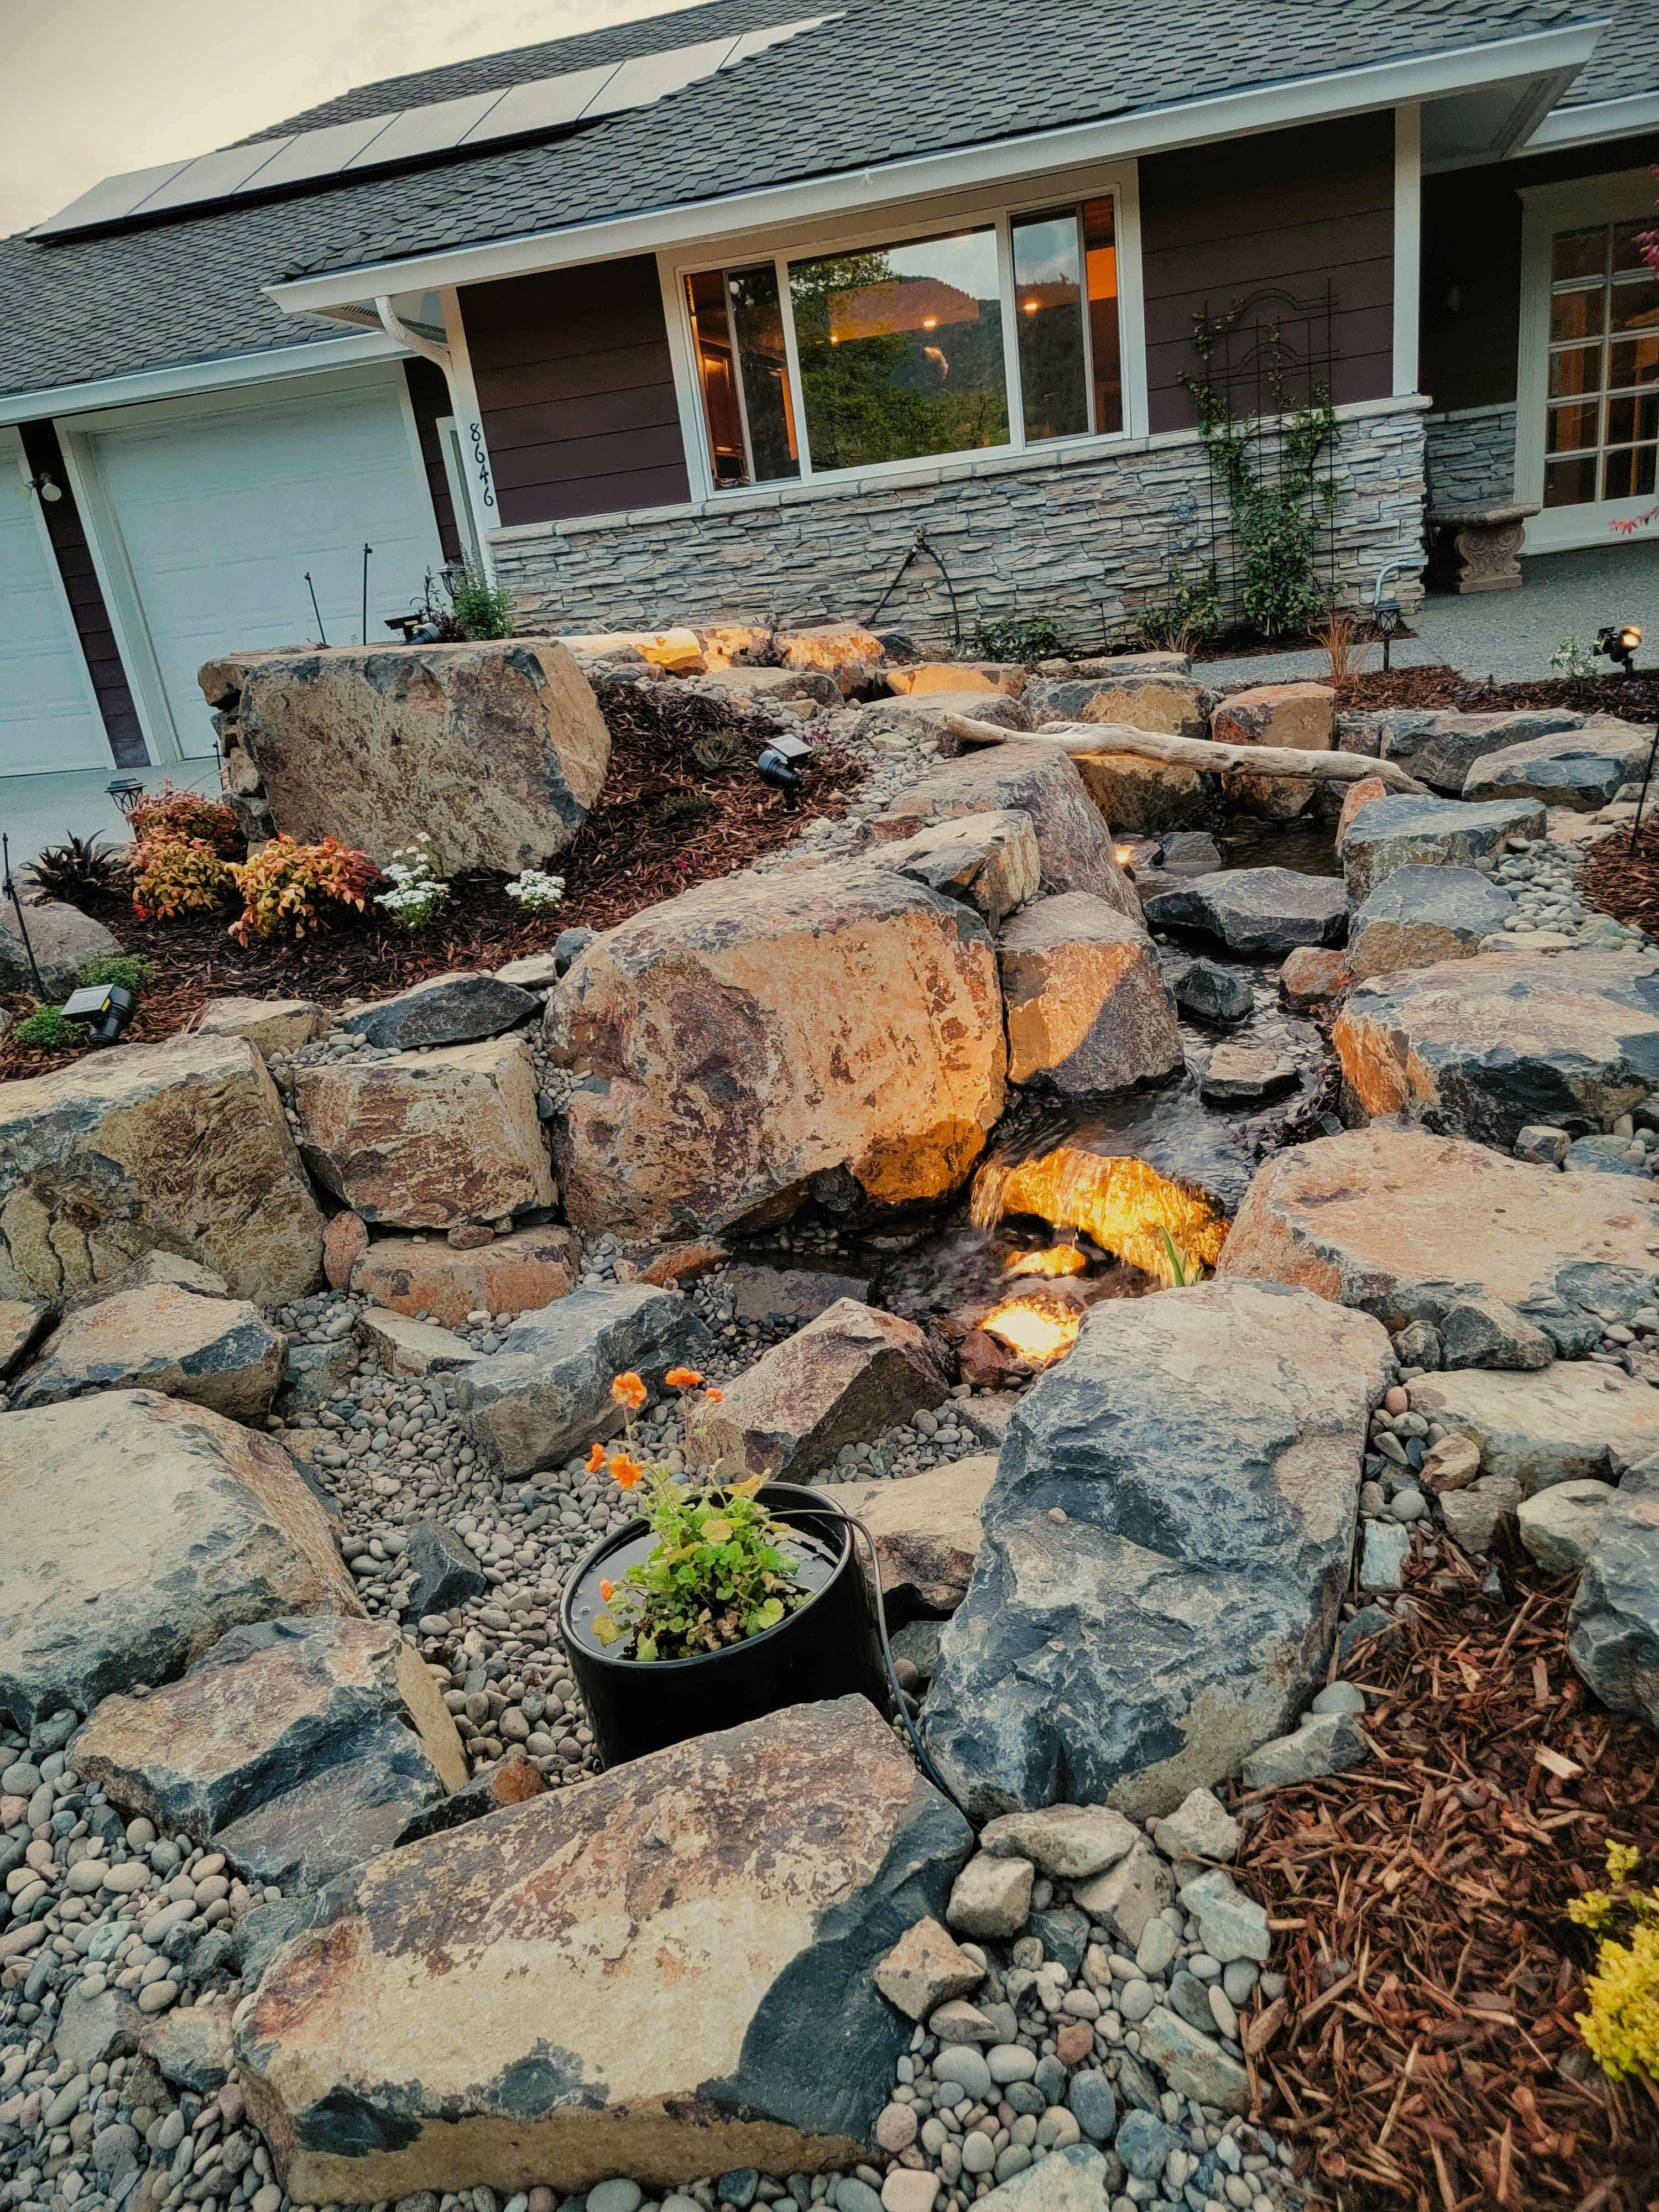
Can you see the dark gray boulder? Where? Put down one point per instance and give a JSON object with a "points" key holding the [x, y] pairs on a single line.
{"points": [[446, 1573], [1165, 1547], [1416, 916], [1444, 750], [458, 1008], [1613, 1633], [1212, 993], [1263, 912], [1582, 769], [1406, 832], [547, 1391]]}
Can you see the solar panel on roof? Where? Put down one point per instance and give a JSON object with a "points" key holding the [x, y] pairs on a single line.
{"points": [[210, 176], [653, 77], [316, 154], [546, 104], [420, 130], [109, 201]]}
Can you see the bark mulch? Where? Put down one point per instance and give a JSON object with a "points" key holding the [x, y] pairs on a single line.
{"points": [[1425, 2054], [1623, 882], [664, 822], [1444, 690]]}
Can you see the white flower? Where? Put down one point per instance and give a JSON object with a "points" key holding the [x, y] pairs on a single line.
{"points": [[537, 891]]}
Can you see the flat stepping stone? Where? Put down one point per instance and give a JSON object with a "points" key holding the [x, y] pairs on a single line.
{"points": [[1405, 831], [1581, 769], [1258, 911]]}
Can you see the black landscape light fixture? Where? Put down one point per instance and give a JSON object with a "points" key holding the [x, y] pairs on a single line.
{"points": [[782, 763], [128, 793], [103, 1011], [1618, 643], [1386, 610]]}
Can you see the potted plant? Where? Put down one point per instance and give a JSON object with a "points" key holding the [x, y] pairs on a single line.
{"points": [[716, 1604]]}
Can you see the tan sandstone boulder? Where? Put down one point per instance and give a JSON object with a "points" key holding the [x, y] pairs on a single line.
{"points": [[180, 1147], [634, 1976], [1087, 1009], [927, 1531], [192, 1526], [515, 1274], [990, 861], [496, 749], [732, 1044], [1575, 1421], [429, 1139], [1302, 716], [920, 676], [854, 656], [1143, 797], [268, 1024]]}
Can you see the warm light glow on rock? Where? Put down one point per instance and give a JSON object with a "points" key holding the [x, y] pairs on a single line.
{"points": [[1039, 1329], [1058, 1260], [1123, 1203]]}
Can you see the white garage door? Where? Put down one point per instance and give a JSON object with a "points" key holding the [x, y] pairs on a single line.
{"points": [[49, 715], [224, 505]]}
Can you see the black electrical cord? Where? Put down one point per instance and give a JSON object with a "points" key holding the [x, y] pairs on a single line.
{"points": [[17, 908], [920, 547]]}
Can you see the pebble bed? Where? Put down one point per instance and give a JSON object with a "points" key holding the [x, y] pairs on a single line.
{"points": [[1544, 879]]}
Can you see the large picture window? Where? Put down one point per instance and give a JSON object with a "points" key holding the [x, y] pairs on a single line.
{"points": [[997, 336], [1603, 419]]}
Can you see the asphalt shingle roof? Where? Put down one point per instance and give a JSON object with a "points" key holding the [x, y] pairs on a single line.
{"points": [[889, 78]]}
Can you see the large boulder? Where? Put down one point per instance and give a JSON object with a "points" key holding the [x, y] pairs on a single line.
{"points": [[1407, 832], [1144, 797], [61, 938], [990, 861], [1087, 1008], [1512, 1264], [1441, 749], [458, 1008], [165, 1325], [1300, 716], [842, 1380], [428, 1140], [1037, 778], [192, 1526], [496, 750], [1573, 1421], [547, 1392], [837, 1032], [1166, 1545], [270, 1025], [1265, 912], [1139, 699], [180, 1147], [514, 1275], [267, 1710], [665, 1971], [1580, 770], [1613, 1632], [1488, 1047], [1417, 916], [927, 1531]]}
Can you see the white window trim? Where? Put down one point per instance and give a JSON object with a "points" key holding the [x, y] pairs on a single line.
{"points": [[1623, 198], [993, 206]]}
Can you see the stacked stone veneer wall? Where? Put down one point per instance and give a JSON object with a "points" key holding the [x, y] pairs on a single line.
{"points": [[1471, 457], [1083, 535]]}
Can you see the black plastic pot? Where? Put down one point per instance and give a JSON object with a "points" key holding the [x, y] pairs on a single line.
{"points": [[828, 1648]]}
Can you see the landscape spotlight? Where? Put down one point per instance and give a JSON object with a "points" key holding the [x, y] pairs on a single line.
{"points": [[781, 763], [103, 1009], [1619, 641]]}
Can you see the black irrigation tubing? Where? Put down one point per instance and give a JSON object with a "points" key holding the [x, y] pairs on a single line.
{"points": [[17, 907], [920, 547]]}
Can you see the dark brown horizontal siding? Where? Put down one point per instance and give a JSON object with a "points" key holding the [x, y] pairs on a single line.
{"points": [[1471, 265], [1292, 209], [429, 395], [86, 598], [576, 388]]}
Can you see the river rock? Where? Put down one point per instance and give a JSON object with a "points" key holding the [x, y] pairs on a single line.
{"points": [[1212, 993], [1507, 1261], [842, 1380], [1068, 1843], [1034, 778], [1402, 831], [458, 1008], [1580, 770], [180, 1147], [1442, 749], [428, 1141], [195, 1526], [1558, 1527], [777, 1865], [1087, 1008], [1572, 1422], [1204, 1447], [515, 1274], [266, 1708], [837, 1032], [1612, 1636], [270, 1025], [926, 1532], [547, 1392], [1243, 1074], [1417, 916], [164, 1324], [925, 1969], [1485, 1048], [496, 749], [990, 861], [1261, 912]]}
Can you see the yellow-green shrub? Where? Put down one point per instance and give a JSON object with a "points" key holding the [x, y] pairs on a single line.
{"points": [[1622, 2025], [289, 890], [175, 876]]}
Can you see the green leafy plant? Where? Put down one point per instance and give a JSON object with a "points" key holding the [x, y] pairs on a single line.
{"points": [[723, 749], [1621, 2027], [1025, 638], [187, 816], [1190, 614], [718, 1573], [129, 969], [46, 1030], [482, 609], [1178, 1274], [535, 892], [1572, 659], [173, 876], [297, 890], [685, 806], [81, 867], [1276, 520]]}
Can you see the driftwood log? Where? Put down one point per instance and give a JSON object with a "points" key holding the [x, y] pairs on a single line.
{"points": [[1192, 752]]}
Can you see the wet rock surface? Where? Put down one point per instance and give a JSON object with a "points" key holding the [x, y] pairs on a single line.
{"points": [[1259, 912]]}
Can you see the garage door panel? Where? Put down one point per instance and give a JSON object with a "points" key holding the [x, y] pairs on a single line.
{"points": [[224, 514], [49, 718]]}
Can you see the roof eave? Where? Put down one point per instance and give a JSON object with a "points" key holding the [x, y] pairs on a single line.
{"points": [[1592, 120]]}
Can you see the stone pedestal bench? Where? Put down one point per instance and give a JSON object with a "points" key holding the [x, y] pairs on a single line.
{"points": [[1474, 548]]}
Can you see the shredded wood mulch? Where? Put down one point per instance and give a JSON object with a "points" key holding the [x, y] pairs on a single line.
{"points": [[1425, 2054], [1445, 690], [1622, 881], [664, 821]]}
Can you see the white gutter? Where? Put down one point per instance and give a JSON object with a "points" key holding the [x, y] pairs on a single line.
{"points": [[1594, 119], [1227, 115], [222, 374]]}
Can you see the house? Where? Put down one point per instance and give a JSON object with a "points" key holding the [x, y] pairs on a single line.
{"points": [[715, 311]]}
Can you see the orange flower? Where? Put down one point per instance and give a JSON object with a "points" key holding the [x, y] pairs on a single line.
{"points": [[626, 1472], [628, 1390], [596, 1459], [715, 1397], [607, 1591], [682, 1378]]}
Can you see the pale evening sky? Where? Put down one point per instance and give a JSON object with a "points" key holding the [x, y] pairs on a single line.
{"points": [[91, 88]]}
